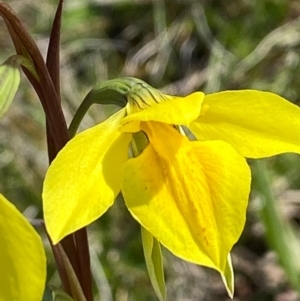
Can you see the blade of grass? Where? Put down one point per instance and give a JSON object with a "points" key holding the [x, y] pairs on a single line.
{"points": [[278, 232]]}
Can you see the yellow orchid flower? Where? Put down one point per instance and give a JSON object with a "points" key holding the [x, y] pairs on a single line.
{"points": [[191, 196], [22, 257]]}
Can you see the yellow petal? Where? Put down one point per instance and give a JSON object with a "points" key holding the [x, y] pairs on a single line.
{"points": [[84, 179], [191, 196], [257, 124], [177, 110], [22, 257]]}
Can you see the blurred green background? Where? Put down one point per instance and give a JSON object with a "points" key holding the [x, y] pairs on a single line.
{"points": [[179, 46]]}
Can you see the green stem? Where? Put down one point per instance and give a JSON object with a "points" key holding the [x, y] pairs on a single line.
{"points": [[110, 92]]}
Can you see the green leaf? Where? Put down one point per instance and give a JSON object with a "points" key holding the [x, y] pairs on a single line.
{"points": [[9, 82], [154, 262], [22, 257]]}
